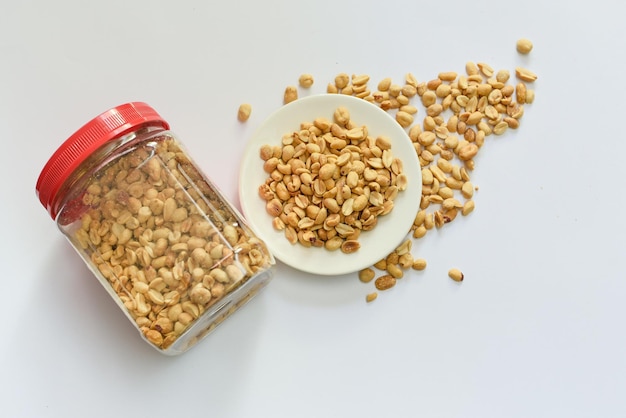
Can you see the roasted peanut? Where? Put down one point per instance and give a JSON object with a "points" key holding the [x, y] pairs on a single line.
{"points": [[456, 275], [290, 95], [481, 103], [525, 74], [305, 80], [342, 80], [468, 207], [419, 264], [385, 282], [394, 270], [243, 114], [366, 275], [524, 46]]}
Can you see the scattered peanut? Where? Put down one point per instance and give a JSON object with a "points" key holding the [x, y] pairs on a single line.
{"points": [[291, 94], [385, 282], [456, 275], [342, 80], [524, 46], [305, 80], [419, 264], [468, 207], [394, 270], [370, 297], [525, 74], [405, 119], [243, 114], [366, 275]]}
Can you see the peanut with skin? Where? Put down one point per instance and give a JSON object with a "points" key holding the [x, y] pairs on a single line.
{"points": [[305, 80], [385, 282]]}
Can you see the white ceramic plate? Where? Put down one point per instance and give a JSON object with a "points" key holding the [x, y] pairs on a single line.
{"points": [[377, 243]]}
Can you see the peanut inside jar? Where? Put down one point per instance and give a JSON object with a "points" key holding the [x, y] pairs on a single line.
{"points": [[164, 239]]}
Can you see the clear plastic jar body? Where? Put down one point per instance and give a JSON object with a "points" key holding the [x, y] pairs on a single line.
{"points": [[171, 251]]}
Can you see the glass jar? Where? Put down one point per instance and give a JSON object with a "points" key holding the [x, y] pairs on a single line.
{"points": [[171, 251]]}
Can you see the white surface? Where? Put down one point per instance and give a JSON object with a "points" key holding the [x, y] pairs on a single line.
{"points": [[390, 230], [535, 330]]}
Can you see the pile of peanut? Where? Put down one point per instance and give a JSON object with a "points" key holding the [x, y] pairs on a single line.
{"points": [[461, 111], [165, 241], [329, 181]]}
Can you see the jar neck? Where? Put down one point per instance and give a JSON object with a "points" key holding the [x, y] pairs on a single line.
{"points": [[68, 197]]}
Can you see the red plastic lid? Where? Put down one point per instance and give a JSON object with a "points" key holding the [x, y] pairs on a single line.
{"points": [[107, 126]]}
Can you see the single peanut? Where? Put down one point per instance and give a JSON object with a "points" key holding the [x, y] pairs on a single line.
{"points": [[419, 264], [456, 275], [243, 114], [481, 104], [366, 275], [291, 94], [370, 297], [342, 80], [385, 282], [525, 74], [326, 205], [468, 207], [524, 46], [405, 119]]}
